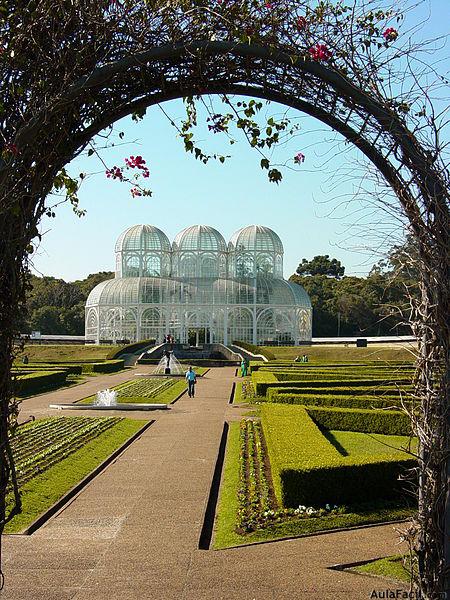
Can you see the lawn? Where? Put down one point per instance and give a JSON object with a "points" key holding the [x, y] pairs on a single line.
{"points": [[65, 353], [340, 352], [352, 443], [53, 455]]}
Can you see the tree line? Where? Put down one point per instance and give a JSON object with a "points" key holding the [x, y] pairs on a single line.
{"points": [[55, 306], [374, 305], [378, 304]]}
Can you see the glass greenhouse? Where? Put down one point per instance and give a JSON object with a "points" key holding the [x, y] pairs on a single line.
{"points": [[199, 289]]}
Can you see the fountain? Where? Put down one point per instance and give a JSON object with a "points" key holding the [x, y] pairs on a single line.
{"points": [[169, 365], [106, 398]]}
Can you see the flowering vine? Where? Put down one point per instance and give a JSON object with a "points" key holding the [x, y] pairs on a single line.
{"points": [[131, 163]]}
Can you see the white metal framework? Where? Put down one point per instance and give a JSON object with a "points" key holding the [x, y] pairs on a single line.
{"points": [[199, 284]]}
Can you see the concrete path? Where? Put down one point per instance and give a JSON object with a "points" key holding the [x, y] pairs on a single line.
{"points": [[133, 533]]}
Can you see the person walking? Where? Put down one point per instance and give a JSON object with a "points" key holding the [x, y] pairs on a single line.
{"points": [[191, 378]]}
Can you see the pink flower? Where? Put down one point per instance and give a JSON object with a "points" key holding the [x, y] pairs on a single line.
{"points": [[320, 52], [137, 162], [135, 192], [390, 34], [114, 173], [299, 158], [301, 23], [268, 4]]}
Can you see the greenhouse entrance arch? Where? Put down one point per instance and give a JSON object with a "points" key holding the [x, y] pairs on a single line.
{"points": [[134, 81]]}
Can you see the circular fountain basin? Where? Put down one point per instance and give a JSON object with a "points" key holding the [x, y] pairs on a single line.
{"points": [[120, 407]]}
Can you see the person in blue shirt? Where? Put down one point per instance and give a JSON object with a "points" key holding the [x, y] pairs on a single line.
{"points": [[191, 378]]}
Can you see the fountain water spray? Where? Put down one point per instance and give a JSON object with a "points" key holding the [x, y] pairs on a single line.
{"points": [[106, 398], [169, 365]]}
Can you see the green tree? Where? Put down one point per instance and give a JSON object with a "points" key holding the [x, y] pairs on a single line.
{"points": [[47, 320], [321, 265], [56, 307]]}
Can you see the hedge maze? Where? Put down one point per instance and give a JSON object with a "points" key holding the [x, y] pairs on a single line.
{"points": [[323, 430]]}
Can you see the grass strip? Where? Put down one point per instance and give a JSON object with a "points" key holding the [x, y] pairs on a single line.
{"points": [[226, 516], [391, 567], [39, 494]]}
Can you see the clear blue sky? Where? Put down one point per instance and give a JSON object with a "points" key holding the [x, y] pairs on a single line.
{"points": [[307, 209]]}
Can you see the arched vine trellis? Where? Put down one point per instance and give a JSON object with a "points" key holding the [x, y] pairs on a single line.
{"points": [[38, 143]]}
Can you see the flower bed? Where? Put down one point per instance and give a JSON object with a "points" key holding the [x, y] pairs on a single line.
{"points": [[41, 444], [155, 390]]}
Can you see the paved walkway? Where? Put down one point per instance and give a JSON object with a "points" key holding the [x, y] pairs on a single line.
{"points": [[133, 533]]}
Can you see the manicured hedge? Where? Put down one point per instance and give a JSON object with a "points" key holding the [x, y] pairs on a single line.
{"points": [[32, 383], [110, 366], [388, 422], [355, 376], [343, 484], [274, 395], [282, 377], [307, 469], [379, 391], [70, 368], [292, 439], [129, 349], [262, 385]]}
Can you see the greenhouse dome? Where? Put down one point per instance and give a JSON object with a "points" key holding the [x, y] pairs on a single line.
{"points": [[199, 251], [255, 250], [199, 284], [143, 250]]}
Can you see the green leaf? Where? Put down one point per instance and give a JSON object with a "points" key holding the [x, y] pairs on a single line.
{"points": [[275, 176]]}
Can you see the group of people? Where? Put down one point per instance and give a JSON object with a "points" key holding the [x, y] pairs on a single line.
{"points": [[302, 359]]}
